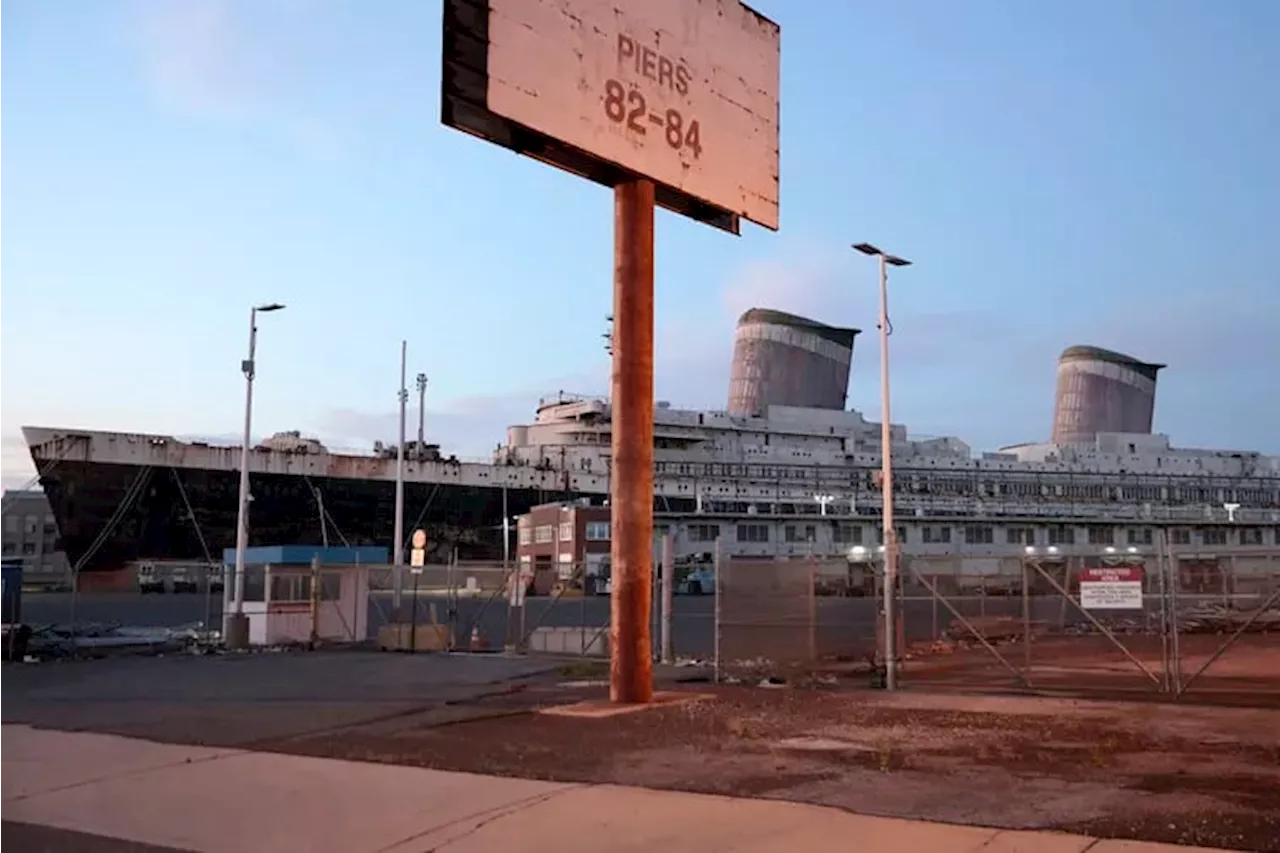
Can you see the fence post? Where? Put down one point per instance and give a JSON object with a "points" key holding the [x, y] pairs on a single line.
{"points": [[668, 581], [1161, 568], [1026, 621], [1175, 581], [937, 635], [719, 555], [315, 601]]}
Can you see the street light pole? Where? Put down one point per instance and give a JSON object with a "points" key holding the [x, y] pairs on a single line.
{"points": [[397, 571], [235, 625], [891, 544]]}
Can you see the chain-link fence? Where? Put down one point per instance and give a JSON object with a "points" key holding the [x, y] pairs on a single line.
{"points": [[1106, 620], [793, 616]]}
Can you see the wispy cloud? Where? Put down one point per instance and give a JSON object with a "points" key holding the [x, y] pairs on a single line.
{"points": [[228, 61], [16, 469]]}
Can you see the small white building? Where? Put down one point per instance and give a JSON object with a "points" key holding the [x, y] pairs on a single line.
{"points": [[302, 593]]}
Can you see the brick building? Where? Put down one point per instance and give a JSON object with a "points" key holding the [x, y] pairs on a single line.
{"points": [[563, 543]]}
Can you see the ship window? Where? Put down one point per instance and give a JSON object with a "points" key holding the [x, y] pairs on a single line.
{"points": [[1101, 535], [935, 534], [1140, 536], [1062, 535], [848, 534], [753, 533], [1214, 536], [978, 534], [1251, 536], [1020, 535], [1181, 536], [794, 533], [704, 532]]}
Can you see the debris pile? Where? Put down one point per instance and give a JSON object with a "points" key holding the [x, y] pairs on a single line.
{"points": [[60, 641], [1221, 618]]}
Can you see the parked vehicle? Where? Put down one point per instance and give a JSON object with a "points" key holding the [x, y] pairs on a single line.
{"points": [[697, 582], [149, 580], [183, 580]]}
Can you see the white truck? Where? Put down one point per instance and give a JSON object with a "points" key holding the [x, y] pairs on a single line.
{"points": [[183, 580], [149, 580]]}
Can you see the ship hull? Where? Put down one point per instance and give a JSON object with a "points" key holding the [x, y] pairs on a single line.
{"points": [[111, 514]]}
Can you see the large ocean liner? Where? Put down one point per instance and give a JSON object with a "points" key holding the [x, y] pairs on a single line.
{"points": [[784, 468]]}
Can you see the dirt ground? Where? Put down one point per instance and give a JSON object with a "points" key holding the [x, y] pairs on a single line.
{"points": [[1246, 674], [1186, 774], [1148, 768]]}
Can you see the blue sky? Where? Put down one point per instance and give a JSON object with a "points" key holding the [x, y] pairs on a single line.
{"points": [[1100, 171]]}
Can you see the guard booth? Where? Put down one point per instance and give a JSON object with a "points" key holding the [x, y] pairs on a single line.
{"points": [[304, 594]]}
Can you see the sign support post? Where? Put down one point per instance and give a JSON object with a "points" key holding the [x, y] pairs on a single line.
{"points": [[631, 505], [669, 103]]}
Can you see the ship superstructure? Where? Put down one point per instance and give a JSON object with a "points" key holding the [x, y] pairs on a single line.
{"points": [[780, 480]]}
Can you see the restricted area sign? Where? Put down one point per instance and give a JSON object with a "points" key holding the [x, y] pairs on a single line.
{"points": [[682, 92], [1111, 588]]}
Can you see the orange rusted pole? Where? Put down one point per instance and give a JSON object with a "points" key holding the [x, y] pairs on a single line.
{"points": [[631, 505]]}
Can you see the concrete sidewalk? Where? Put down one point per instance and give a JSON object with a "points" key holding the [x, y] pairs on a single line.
{"points": [[213, 800]]}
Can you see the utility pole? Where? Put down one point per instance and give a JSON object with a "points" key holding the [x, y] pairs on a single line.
{"points": [[891, 544], [397, 571], [631, 486], [422, 412]]}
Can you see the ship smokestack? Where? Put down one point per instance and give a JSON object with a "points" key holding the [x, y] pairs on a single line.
{"points": [[1102, 391], [781, 359]]}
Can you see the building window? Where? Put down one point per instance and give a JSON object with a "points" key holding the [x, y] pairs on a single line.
{"points": [[543, 533], [10, 548], [30, 524], [526, 535], [1181, 536], [598, 531], [936, 534], [566, 531], [297, 588], [28, 548], [848, 534], [1062, 535], [1250, 535], [753, 533], [704, 532], [978, 534], [1214, 536], [1020, 535], [1140, 536]]}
